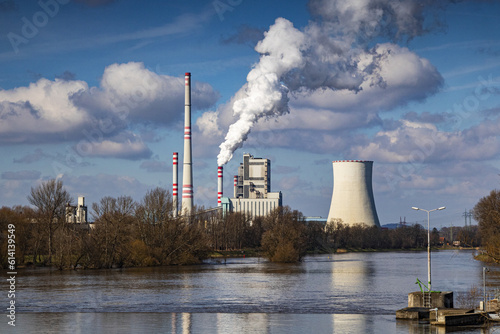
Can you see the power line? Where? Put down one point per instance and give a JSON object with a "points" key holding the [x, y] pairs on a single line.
{"points": [[467, 215]]}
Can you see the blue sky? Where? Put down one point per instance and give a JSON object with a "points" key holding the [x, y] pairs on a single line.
{"points": [[91, 92]]}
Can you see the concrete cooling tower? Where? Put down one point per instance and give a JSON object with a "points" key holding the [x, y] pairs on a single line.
{"points": [[352, 198]]}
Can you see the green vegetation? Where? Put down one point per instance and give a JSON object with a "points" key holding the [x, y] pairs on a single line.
{"points": [[126, 233]]}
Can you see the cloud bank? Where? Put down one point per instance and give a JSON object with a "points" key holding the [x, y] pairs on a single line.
{"points": [[332, 64], [65, 109]]}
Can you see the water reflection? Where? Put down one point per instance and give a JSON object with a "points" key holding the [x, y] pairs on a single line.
{"points": [[210, 323], [339, 293], [351, 274], [221, 323]]}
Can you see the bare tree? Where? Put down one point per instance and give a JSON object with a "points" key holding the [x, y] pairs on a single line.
{"points": [[50, 199], [469, 298], [487, 213], [285, 238], [15, 216], [165, 239], [114, 218], [152, 214]]}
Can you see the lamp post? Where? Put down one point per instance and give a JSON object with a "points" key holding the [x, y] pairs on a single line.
{"points": [[485, 270], [428, 242]]}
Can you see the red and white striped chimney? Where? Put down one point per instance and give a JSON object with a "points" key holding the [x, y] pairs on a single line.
{"points": [[175, 173], [219, 185], [235, 186], [187, 175]]}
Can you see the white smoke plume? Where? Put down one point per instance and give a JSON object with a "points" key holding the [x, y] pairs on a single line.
{"points": [[264, 94], [330, 53]]}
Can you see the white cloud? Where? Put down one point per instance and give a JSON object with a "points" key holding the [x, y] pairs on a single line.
{"points": [[318, 119], [417, 142], [99, 117], [428, 182], [368, 18], [208, 124], [130, 91], [43, 109], [406, 77], [124, 146], [326, 119]]}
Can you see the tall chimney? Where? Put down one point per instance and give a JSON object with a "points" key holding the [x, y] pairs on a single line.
{"points": [[187, 175], [219, 185], [235, 186], [175, 172]]}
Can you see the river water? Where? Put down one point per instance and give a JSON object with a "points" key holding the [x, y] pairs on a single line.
{"points": [[341, 293]]}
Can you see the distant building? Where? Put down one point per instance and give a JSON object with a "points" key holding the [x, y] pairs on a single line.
{"points": [[77, 214], [252, 189], [442, 241]]}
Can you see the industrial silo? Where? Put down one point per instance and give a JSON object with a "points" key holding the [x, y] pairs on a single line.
{"points": [[352, 198]]}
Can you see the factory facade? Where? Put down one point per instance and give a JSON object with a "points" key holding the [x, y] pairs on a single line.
{"points": [[77, 214], [252, 189]]}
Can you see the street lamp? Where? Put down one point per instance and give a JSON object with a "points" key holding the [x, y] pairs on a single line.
{"points": [[429, 242], [485, 270]]}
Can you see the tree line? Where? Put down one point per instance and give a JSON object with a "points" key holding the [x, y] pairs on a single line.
{"points": [[127, 233]]}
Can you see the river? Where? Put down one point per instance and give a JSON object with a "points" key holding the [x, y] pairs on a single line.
{"points": [[340, 293]]}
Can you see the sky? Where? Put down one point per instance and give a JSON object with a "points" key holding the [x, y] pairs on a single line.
{"points": [[91, 93]]}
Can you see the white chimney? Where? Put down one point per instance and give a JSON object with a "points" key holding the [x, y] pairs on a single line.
{"points": [[187, 175]]}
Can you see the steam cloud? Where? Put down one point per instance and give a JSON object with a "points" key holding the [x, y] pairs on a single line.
{"points": [[330, 53]]}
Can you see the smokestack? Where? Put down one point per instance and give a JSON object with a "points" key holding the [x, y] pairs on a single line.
{"points": [[187, 175], [175, 172], [352, 197], [219, 185], [235, 186]]}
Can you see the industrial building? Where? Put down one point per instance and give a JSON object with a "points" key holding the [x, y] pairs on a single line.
{"points": [[252, 189], [352, 197], [252, 186], [77, 214]]}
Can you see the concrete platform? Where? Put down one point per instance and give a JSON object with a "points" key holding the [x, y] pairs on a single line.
{"points": [[423, 313], [413, 313], [445, 317], [442, 299], [456, 318]]}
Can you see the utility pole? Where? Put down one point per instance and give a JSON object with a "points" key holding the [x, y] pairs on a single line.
{"points": [[451, 233]]}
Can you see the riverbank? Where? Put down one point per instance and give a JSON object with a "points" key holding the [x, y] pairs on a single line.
{"points": [[258, 253], [255, 252]]}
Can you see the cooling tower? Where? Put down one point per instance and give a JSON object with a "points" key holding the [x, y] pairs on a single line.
{"points": [[187, 175], [352, 198]]}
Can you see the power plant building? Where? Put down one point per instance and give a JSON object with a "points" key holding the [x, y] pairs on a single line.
{"points": [[352, 197], [252, 189], [77, 214]]}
